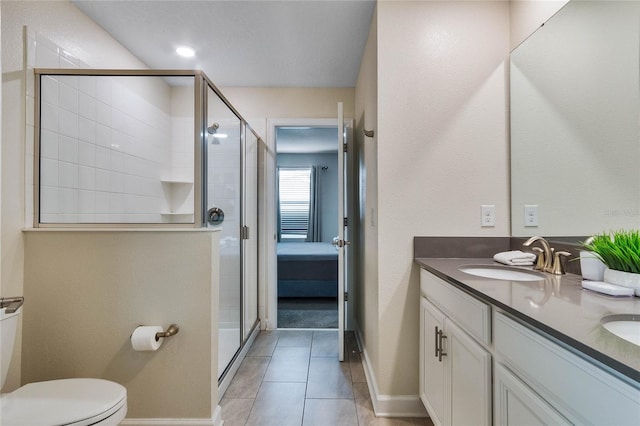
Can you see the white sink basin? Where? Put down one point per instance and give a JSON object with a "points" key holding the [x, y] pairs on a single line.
{"points": [[502, 273], [626, 327]]}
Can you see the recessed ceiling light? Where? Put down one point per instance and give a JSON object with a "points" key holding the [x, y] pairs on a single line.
{"points": [[187, 52]]}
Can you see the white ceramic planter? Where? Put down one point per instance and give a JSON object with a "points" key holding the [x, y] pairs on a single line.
{"points": [[591, 266], [624, 279]]}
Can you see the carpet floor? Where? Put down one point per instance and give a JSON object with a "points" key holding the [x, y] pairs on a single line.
{"points": [[307, 313]]}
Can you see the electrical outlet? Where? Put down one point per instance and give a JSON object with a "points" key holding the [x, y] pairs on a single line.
{"points": [[531, 215], [488, 215]]}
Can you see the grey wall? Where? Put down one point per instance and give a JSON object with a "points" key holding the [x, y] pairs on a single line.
{"points": [[328, 187]]}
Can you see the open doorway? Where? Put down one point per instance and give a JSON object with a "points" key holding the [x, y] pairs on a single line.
{"points": [[306, 224]]}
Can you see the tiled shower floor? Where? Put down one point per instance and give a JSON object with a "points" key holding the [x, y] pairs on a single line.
{"points": [[293, 377]]}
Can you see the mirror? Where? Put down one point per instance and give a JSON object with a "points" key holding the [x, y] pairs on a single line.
{"points": [[575, 115]]}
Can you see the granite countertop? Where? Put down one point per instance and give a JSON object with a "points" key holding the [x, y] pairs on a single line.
{"points": [[557, 306]]}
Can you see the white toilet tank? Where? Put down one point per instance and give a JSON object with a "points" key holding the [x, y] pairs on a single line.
{"points": [[8, 326]]}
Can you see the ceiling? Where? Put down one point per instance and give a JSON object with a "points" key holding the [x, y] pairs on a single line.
{"points": [[264, 43]]}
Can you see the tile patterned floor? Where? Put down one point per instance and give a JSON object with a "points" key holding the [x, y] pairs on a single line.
{"points": [[293, 377]]}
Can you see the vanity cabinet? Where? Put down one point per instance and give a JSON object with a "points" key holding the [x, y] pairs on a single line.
{"points": [[455, 370], [538, 381]]}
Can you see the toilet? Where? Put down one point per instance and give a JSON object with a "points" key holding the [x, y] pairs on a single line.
{"points": [[76, 402]]}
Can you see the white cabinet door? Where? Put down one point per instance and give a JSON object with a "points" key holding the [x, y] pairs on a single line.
{"points": [[470, 372], [433, 392], [517, 405], [455, 386]]}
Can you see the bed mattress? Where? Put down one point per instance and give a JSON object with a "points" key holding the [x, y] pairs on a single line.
{"points": [[307, 251]]}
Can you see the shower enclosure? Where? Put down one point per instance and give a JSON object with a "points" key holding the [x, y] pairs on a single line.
{"points": [[162, 149]]}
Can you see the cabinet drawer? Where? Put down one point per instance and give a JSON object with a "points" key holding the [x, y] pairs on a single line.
{"points": [[581, 391], [471, 314]]}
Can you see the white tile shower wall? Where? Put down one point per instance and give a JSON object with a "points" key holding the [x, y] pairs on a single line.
{"points": [[182, 150], [182, 121], [106, 143], [122, 151]]}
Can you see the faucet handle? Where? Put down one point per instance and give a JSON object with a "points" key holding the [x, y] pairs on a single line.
{"points": [[540, 259], [558, 267]]}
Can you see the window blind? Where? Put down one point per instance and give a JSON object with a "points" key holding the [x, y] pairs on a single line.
{"points": [[295, 199]]}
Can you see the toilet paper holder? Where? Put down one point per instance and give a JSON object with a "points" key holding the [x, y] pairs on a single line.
{"points": [[173, 329]]}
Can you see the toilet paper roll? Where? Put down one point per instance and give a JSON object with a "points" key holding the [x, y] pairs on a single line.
{"points": [[144, 338]]}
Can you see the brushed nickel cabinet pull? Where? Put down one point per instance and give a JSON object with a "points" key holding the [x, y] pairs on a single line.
{"points": [[442, 352]]}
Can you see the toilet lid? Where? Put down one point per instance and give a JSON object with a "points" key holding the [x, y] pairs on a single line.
{"points": [[62, 402]]}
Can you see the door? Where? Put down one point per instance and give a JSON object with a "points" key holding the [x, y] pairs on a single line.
{"points": [[222, 210], [250, 233], [340, 241]]}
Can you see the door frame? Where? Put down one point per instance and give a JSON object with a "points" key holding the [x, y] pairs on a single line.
{"points": [[268, 268]]}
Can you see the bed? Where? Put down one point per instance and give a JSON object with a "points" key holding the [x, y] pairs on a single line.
{"points": [[307, 270]]}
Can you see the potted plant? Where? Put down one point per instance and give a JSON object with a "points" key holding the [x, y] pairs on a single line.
{"points": [[620, 252]]}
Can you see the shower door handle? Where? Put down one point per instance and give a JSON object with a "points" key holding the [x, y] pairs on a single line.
{"points": [[215, 216]]}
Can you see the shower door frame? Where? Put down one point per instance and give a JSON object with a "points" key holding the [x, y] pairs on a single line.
{"points": [[200, 84], [244, 130]]}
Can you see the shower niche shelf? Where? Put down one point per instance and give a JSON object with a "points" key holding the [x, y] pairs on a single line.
{"points": [[171, 217], [179, 196]]}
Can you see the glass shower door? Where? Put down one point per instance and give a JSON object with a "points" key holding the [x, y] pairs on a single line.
{"points": [[250, 243], [222, 210]]}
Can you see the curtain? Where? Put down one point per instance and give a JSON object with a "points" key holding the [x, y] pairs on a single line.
{"points": [[278, 218], [313, 233]]}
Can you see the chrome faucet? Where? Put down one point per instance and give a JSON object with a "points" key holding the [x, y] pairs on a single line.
{"points": [[545, 256], [548, 259]]}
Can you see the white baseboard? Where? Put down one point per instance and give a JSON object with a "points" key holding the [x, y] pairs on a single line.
{"points": [[388, 405], [215, 420], [169, 422]]}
